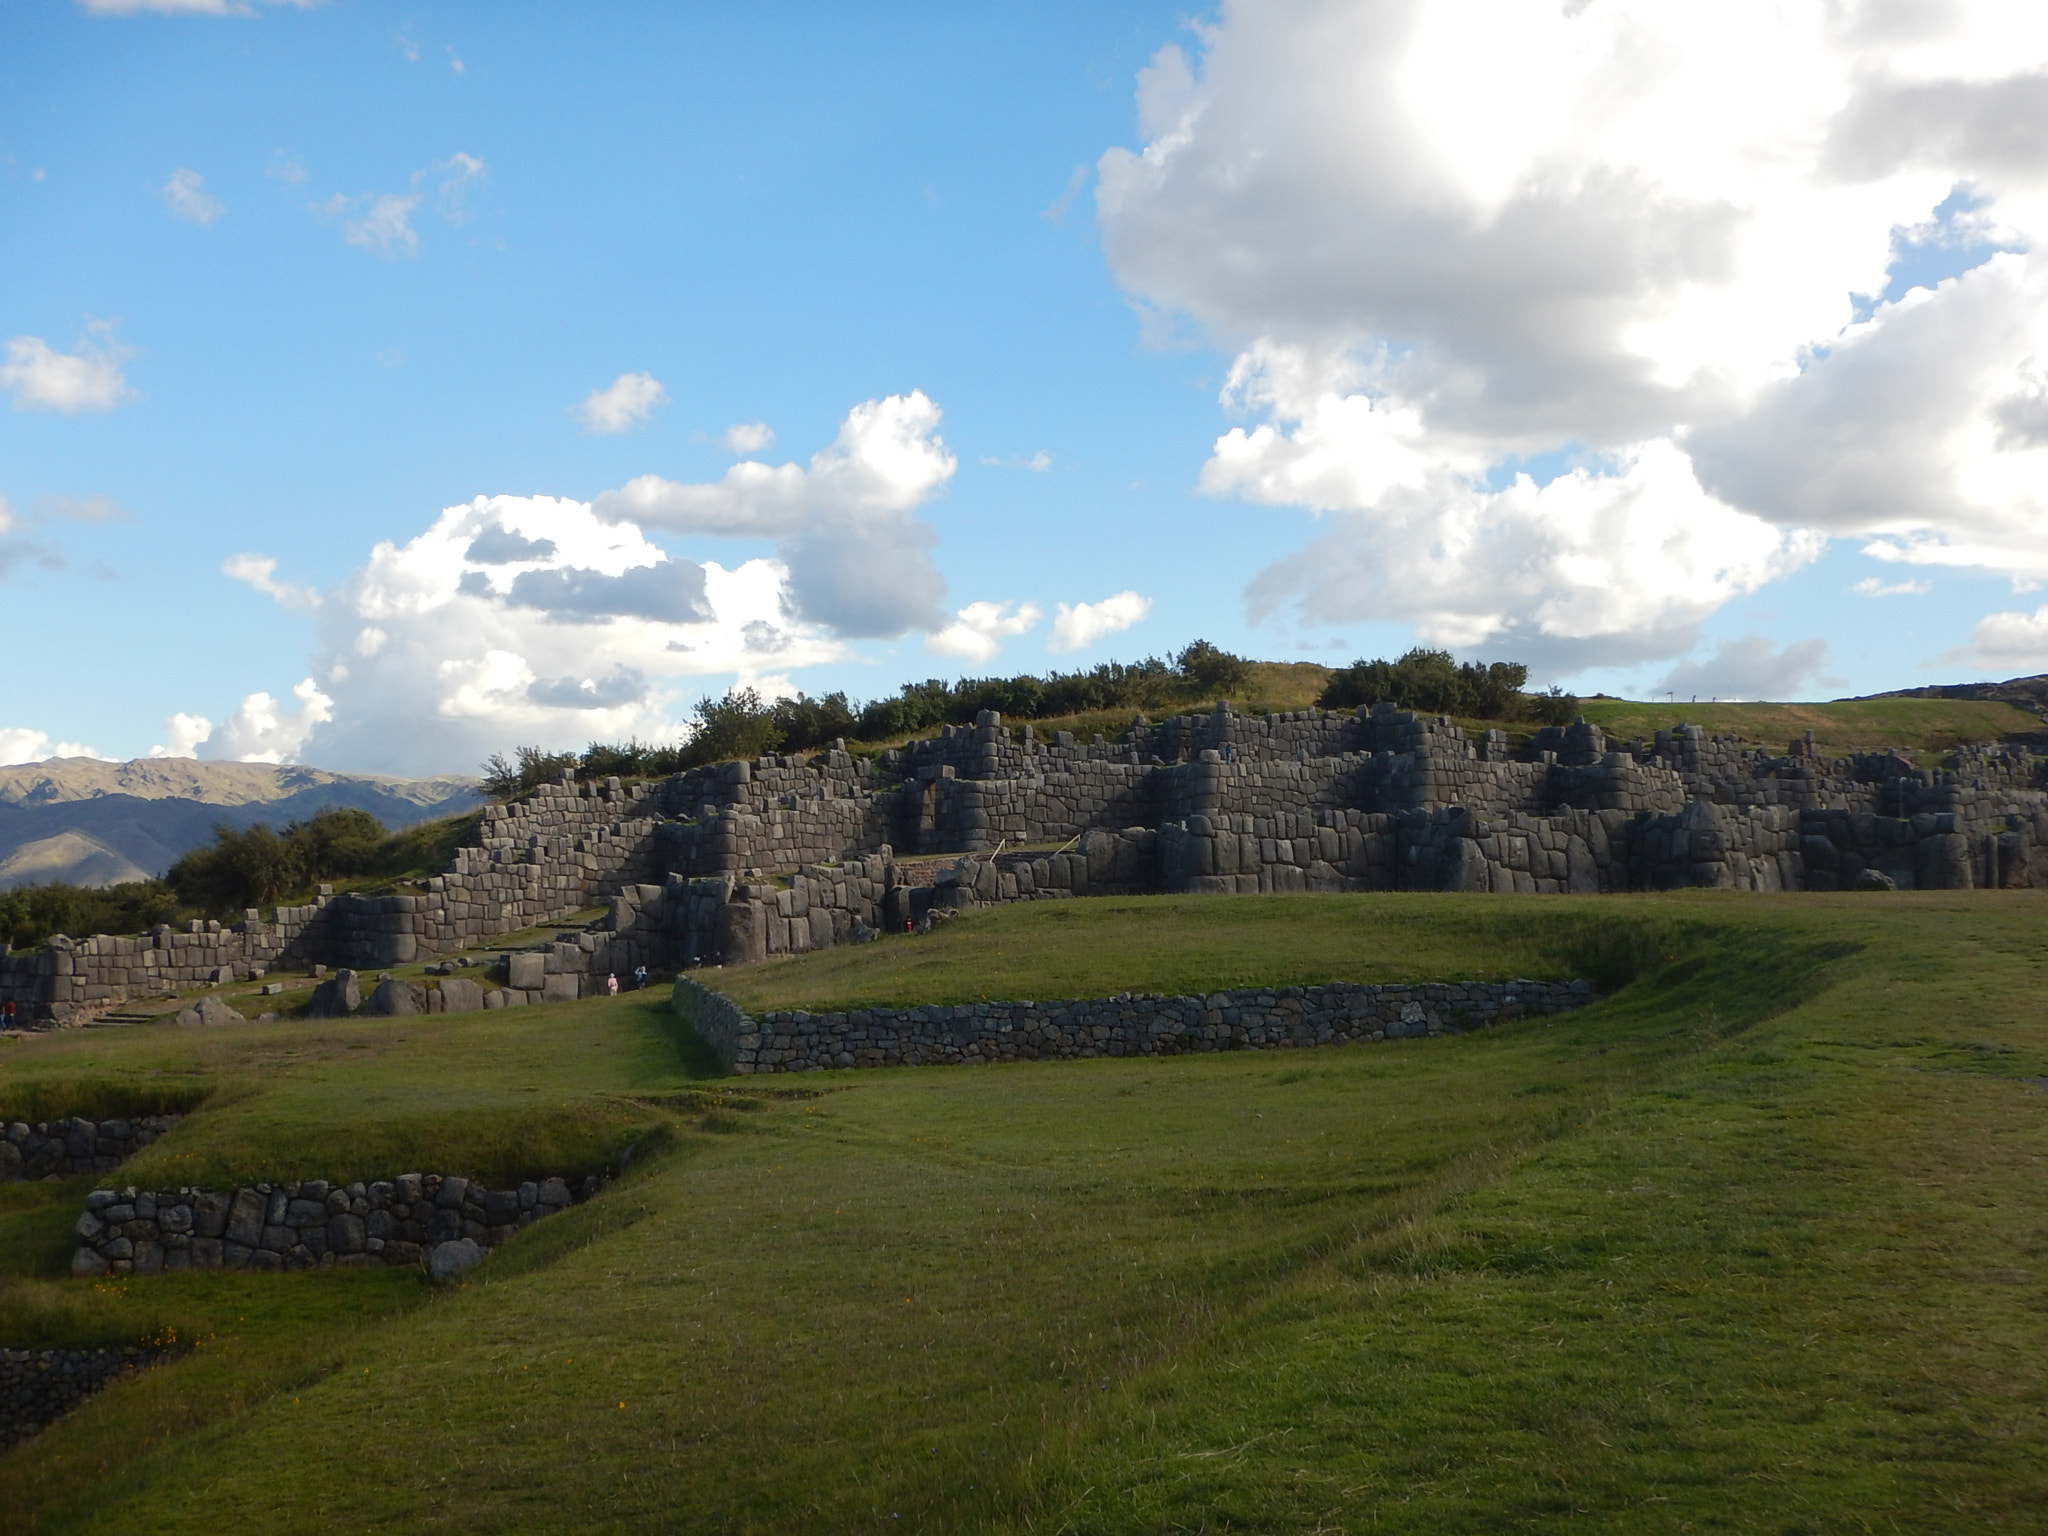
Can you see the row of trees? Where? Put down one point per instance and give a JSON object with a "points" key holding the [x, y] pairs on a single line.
{"points": [[1435, 683], [241, 868], [743, 724]]}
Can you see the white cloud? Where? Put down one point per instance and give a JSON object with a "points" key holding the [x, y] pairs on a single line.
{"points": [[186, 196], [83, 509], [748, 437], [978, 630], [857, 560], [1752, 668], [1076, 626], [260, 572], [263, 731], [1445, 236], [629, 400], [525, 619], [184, 7], [1870, 586], [1039, 463], [44, 379], [2006, 644], [19, 744], [183, 733], [381, 222]]}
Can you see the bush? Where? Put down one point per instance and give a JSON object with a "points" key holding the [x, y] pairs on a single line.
{"points": [[1436, 683], [29, 914]]}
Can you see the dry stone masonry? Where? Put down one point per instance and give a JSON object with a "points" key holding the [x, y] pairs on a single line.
{"points": [[739, 861], [1136, 1024], [38, 1386], [76, 1145], [445, 1222]]}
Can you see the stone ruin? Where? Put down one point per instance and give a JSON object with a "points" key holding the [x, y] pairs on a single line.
{"points": [[742, 860]]}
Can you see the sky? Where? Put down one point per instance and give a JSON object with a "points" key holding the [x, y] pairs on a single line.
{"points": [[389, 385]]}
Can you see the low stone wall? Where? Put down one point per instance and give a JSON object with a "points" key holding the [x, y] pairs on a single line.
{"points": [[1251, 1019], [314, 1224], [62, 1147], [40, 1385]]}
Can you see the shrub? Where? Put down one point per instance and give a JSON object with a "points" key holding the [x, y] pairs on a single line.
{"points": [[1436, 683]]}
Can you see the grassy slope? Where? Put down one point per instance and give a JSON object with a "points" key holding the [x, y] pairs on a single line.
{"points": [[1925, 725], [1754, 1246]]}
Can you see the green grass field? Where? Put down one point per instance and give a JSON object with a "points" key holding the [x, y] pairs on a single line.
{"points": [[1756, 1245]]}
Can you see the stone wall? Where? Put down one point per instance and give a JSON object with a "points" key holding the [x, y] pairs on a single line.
{"points": [[76, 1145], [1248, 1019], [38, 1386], [740, 861], [411, 1219]]}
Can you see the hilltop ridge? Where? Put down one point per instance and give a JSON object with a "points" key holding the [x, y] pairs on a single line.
{"points": [[95, 823]]}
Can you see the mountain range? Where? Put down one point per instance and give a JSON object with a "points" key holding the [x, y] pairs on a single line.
{"points": [[96, 823]]}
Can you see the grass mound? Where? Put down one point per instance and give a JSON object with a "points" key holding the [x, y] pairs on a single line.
{"points": [[1753, 1245]]}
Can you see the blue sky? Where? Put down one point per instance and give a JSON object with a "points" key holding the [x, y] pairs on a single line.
{"points": [[330, 270]]}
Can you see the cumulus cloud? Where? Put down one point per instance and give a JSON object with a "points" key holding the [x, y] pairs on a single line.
{"points": [[261, 730], [260, 572], [622, 405], [1752, 668], [1075, 626], [44, 379], [186, 196], [382, 222], [528, 619], [858, 561], [978, 631], [748, 437], [671, 591], [2006, 644], [499, 545], [20, 744], [1443, 237], [1871, 586], [182, 735]]}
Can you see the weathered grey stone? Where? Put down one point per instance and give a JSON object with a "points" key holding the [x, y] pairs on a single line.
{"points": [[209, 1011], [337, 997], [526, 972], [461, 995], [394, 998], [452, 1260]]}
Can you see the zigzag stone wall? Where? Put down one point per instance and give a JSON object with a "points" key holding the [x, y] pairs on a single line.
{"points": [[740, 861]]}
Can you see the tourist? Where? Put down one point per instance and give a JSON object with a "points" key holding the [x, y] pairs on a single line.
{"points": [[611, 984], [7, 1014], [639, 977]]}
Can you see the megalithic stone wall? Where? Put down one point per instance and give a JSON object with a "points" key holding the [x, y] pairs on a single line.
{"points": [[741, 861]]}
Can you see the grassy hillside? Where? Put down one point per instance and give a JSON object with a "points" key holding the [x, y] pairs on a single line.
{"points": [[1924, 725], [1754, 1245]]}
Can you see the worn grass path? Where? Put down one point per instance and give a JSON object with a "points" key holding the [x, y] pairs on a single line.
{"points": [[1757, 1245]]}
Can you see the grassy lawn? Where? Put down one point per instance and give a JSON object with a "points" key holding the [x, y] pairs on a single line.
{"points": [[1756, 1245]]}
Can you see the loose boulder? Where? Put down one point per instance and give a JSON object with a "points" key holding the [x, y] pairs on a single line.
{"points": [[394, 997], [454, 1259], [209, 1010], [337, 997], [1873, 880]]}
